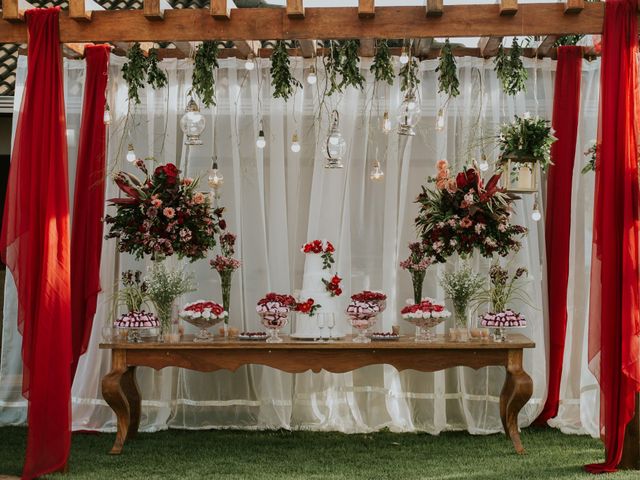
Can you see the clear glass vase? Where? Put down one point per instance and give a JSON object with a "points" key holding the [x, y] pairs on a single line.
{"points": [[462, 324], [417, 279], [225, 286], [167, 315]]}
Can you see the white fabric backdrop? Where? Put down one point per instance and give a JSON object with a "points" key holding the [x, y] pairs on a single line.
{"points": [[276, 200]]}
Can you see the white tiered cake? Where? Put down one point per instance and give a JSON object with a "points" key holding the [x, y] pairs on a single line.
{"points": [[306, 326]]}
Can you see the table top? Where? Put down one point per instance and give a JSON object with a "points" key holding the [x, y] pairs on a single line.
{"points": [[514, 341]]}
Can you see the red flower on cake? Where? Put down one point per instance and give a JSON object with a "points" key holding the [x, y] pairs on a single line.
{"points": [[333, 286], [308, 307]]}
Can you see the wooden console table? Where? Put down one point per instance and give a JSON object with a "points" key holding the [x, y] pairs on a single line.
{"points": [[121, 392]]}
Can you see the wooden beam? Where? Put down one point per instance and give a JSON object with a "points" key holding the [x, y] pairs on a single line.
{"points": [[73, 49], [336, 23], [367, 47], [154, 9], [247, 48], [508, 7], [434, 8], [295, 8], [573, 6], [366, 8], [78, 12], [11, 12], [489, 46], [220, 9], [546, 45], [308, 47]]}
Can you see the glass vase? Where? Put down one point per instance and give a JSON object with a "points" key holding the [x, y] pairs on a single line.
{"points": [[167, 312], [225, 286], [461, 319], [417, 279]]}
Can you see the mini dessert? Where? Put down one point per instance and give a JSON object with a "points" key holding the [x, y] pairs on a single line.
{"points": [[139, 319], [273, 310], [506, 319], [426, 309], [362, 311]]}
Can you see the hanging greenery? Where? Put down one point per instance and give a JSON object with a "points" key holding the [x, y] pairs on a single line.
{"points": [[343, 60], [332, 67], [282, 79], [409, 75], [155, 75], [510, 69], [447, 72], [134, 72], [203, 80], [527, 136], [382, 68]]}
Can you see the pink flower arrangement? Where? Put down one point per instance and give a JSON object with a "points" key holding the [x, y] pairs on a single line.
{"points": [[225, 264]]}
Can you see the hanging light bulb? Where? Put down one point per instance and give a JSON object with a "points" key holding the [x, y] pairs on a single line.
{"points": [[192, 123], [216, 179], [106, 118], [260, 141], [335, 144], [484, 165], [386, 123], [440, 120], [377, 174], [131, 154], [295, 144], [409, 115], [535, 214], [404, 56], [312, 77], [250, 64]]}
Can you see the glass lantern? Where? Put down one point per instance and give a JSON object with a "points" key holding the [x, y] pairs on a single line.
{"points": [[519, 174], [409, 115], [192, 123], [335, 144]]}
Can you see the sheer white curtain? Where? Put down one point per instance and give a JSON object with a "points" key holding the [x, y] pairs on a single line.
{"points": [[276, 200]]}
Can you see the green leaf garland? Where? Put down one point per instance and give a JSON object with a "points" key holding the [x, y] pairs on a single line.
{"points": [[203, 80], [282, 79], [382, 68], [408, 74], [155, 75], [134, 72], [342, 60], [447, 72], [510, 69]]}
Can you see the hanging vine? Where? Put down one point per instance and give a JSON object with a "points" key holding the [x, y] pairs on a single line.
{"points": [[203, 80], [282, 79], [408, 74], [447, 72], [342, 60], [134, 72], [510, 69], [155, 75], [382, 68]]}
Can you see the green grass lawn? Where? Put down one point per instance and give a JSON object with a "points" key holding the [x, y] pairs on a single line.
{"points": [[282, 455]]}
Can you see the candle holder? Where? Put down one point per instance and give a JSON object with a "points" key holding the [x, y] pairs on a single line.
{"points": [[519, 173]]}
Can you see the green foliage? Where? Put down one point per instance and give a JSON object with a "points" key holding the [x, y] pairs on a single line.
{"points": [[382, 68], [134, 72], [342, 62], [504, 289], [447, 72], [591, 155], [526, 137], [157, 77], [408, 74], [282, 79], [567, 40], [510, 69], [203, 80]]}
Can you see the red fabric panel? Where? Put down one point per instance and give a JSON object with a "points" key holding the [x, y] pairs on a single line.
{"points": [[614, 353], [566, 112], [88, 206], [35, 246]]}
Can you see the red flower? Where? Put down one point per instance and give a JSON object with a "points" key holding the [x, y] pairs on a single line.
{"points": [[330, 248], [336, 280], [338, 292], [222, 224], [467, 178]]}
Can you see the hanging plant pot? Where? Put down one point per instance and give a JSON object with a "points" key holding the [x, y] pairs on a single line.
{"points": [[519, 173]]}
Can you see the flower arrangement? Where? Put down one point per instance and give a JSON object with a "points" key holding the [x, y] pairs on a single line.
{"points": [[225, 265], [204, 309], [163, 215], [503, 289], [591, 154], [461, 287], [324, 248], [333, 286], [416, 264], [164, 288], [308, 307], [369, 296], [527, 136], [426, 308], [461, 214]]}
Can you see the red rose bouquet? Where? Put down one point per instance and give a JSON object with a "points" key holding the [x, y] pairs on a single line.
{"points": [[333, 286], [324, 248], [163, 215], [308, 307]]}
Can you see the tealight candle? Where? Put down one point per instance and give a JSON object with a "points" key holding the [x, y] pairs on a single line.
{"points": [[476, 333], [395, 329], [453, 334], [485, 333]]}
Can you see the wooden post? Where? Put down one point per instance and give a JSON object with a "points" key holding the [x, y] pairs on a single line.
{"points": [[489, 46], [434, 8], [153, 10], [631, 450], [573, 6], [508, 7], [366, 8], [11, 12], [295, 8], [547, 44], [78, 11], [220, 9]]}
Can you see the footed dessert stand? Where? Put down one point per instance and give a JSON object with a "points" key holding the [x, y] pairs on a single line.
{"points": [[121, 392]]}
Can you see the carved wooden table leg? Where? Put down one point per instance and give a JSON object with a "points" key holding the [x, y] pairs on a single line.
{"points": [[516, 392], [116, 386], [130, 388]]}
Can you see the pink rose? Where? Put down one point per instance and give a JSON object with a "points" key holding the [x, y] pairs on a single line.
{"points": [[156, 202], [169, 212], [198, 198], [187, 181]]}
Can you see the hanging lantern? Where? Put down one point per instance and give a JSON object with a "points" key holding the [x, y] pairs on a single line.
{"points": [[106, 117], [192, 123], [483, 165], [404, 56], [335, 144], [216, 179], [250, 64], [519, 174], [377, 174], [440, 120], [409, 115]]}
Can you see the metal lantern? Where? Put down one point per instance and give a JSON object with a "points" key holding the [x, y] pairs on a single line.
{"points": [[519, 174], [335, 144], [409, 115], [192, 123]]}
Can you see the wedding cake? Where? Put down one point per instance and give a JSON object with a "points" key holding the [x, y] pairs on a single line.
{"points": [[321, 284]]}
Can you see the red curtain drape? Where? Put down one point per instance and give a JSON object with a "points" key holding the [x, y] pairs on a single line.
{"points": [[35, 246], [88, 206], [566, 112], [614, 345]]}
